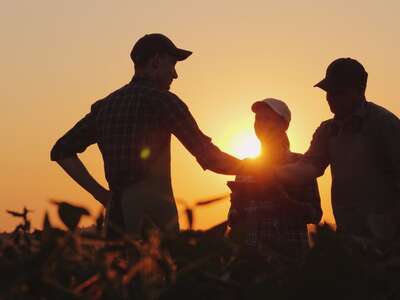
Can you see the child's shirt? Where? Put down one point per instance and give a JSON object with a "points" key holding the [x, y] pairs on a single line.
{"points": [[259, 215]]}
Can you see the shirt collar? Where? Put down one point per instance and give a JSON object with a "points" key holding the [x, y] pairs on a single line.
{"points": [[143, 81], [361, 110], [359, 113], [354, 122]]}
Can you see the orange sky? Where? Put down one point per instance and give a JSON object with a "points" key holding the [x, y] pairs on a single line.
{"points": [[57, 57]]}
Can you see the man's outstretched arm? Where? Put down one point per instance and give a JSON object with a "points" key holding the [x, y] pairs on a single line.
{"points": [[313, 163], [297, 173], [220, 162], [184, 127]]}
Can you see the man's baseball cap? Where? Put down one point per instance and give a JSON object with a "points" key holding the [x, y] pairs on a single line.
{"points": [[344, 73], [151, 44], [276, 105]]}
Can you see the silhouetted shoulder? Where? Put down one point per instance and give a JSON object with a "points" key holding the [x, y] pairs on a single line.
{"points": [[158, 94], [322, 133], [380, 113], [325, 124], [384, 125], [96, 106], [173, 106], [121, 93], [173, 99]]}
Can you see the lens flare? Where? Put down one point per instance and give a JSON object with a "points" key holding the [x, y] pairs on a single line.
{"points": [[246, 145], [145, 153]]}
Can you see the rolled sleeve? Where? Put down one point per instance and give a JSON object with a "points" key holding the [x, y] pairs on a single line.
{"points": [[76, 140], [318, 153]]}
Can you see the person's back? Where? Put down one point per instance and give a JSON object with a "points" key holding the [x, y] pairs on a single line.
{"points": [[132, 131], [133, 134]]}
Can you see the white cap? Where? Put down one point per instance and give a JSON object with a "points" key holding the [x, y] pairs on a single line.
{"points": [[276, 105]]}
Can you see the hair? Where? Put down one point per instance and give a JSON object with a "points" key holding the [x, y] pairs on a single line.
{"points": [[363, 88], [142, 61], [359, 89], [363, 84], [145, 59]]}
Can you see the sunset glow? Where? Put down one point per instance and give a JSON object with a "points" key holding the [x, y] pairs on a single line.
{"points": [[59, 57], [246, 145]]}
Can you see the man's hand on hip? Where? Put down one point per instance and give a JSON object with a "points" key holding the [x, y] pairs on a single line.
{"points": [[103, 196], [78, 172]]}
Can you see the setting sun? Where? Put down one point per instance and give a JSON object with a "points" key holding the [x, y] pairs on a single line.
{"points": [[246, 145]]}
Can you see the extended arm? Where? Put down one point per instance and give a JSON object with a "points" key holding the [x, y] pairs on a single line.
{"points": [[184, 127], [312, 164], [297, 173]]}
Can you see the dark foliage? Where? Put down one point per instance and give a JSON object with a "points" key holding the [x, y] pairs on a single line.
{"points": [[73, 264]]}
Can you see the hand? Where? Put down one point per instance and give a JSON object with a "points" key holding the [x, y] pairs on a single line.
{"points": [[103, 196]]}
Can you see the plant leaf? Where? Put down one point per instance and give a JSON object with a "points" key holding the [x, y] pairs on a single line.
{"points": [[189, 217], [15, 213], [211, 200], [70, 214], [100, 222]]}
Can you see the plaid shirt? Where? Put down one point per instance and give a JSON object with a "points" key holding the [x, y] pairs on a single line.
{"points": [[132, 128], [257, 216]]}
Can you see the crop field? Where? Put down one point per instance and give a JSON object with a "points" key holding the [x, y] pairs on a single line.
{"points": [[82, 264]]}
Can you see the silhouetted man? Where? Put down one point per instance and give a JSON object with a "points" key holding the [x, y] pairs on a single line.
{"points": [[362, 146], [132, 128]]}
